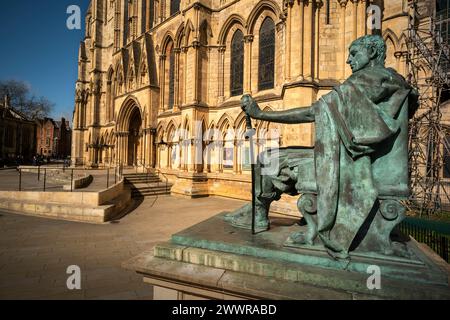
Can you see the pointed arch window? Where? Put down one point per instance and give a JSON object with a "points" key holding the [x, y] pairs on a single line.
{"points": [[171, 78], [237, 64], [174, 148], [266, 65], [174, 7], [228, 149]]}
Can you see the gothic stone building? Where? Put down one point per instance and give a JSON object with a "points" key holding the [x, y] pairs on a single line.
{"points": [[158, 78]]}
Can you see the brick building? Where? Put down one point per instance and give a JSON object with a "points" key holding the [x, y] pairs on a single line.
{"points": [[54, 138], [45, 134]]}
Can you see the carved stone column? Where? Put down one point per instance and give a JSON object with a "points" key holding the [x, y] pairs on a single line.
{"points": [[355, 18], [194, 164], [176, 106], [248, 42], [302, 39], [148, 22], [221, 82], [76, 117], [287, 69], [125, 147], [185, 57], [308, 40], [186, 145], [342, 56], [196, 84], [84, 111], [118, 148], [235, 157], [122, 148], [95, 106], [109, 101], [362, 18], [162, 82], [162, 10], [318, 7]]}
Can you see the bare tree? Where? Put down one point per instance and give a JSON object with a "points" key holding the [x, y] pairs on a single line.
{"points": [[24, 101]]}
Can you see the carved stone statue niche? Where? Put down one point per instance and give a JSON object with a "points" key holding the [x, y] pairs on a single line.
{"points": [[351, 183]]}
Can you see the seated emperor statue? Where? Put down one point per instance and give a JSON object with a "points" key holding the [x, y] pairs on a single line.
{"points": [[358, 169]]}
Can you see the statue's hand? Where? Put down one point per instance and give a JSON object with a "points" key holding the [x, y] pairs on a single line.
{"points": [[250, 107]]}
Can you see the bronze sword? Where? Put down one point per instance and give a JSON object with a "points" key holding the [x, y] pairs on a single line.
{"points": [[250, 133]]}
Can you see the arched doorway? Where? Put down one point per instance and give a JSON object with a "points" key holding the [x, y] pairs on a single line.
{"points": [[134, 138], [129, 133]]}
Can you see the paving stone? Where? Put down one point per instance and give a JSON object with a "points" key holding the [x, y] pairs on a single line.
{"points": [[35, 252]]}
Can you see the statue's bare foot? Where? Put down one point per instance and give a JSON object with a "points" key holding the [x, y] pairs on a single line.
{"points": [[242, 218]]}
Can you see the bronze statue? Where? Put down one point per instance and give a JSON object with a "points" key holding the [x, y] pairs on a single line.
{"points": [[351, 183]]}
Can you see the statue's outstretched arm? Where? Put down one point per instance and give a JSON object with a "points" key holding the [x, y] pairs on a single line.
{"points": [[292, 116]]}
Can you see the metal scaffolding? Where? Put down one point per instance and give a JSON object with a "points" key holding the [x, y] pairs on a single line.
{"points": [[427, 59]]}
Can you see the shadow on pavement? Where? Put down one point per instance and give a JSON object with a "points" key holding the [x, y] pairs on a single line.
{"points": [[135, 203]]}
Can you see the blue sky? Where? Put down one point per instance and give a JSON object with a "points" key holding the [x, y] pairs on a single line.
{"points": [[38, 48]]}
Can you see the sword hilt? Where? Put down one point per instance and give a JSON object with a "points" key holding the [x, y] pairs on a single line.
{"points": [[248, 119]]}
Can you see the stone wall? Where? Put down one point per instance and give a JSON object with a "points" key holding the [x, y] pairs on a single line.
{"points": [[124, 74]]}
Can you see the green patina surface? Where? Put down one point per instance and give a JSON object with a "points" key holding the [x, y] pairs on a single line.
{"points": [[220, 237]]}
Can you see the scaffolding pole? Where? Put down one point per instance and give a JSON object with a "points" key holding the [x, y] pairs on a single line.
{"points": [[427, 59]]}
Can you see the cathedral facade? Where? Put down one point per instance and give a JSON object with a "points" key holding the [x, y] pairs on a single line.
{"points": [[160, 82]]}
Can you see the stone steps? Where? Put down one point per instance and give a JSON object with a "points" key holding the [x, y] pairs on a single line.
{"points": [[143, 180], [137, 193], [146, 185], [148, 190], [141, 177]]}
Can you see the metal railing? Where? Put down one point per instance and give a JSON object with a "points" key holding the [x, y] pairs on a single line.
{"points": [[159, 174], [434, 234], [49, 177], [150, 172], [118, 172]]}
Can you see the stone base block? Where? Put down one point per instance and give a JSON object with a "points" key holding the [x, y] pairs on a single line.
{"points": [[191, 186], [213, 260], [69, 211]]}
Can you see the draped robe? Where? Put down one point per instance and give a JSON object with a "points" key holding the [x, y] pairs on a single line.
{"points": [[353, 124]]}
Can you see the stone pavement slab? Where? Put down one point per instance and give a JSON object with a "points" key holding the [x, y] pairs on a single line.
{"points": [[35, 252]]}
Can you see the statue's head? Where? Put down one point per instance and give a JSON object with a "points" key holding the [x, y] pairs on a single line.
{"points": [[367, 51]]}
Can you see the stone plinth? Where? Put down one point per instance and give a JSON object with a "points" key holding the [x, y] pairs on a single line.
{"points": [[213, 260], [90, 207], [191, 185]]}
